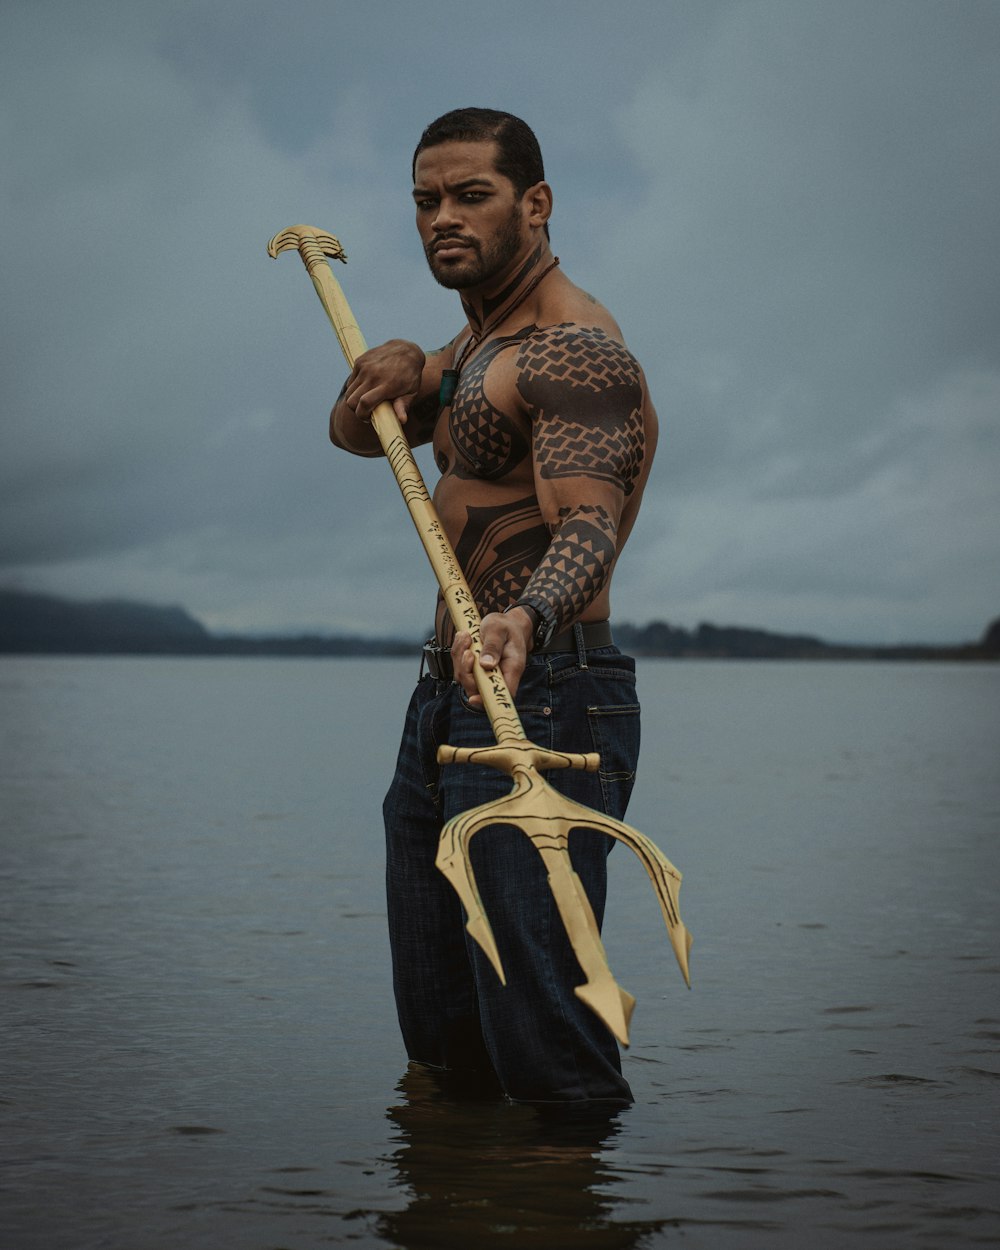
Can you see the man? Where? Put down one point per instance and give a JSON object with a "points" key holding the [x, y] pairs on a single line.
{"points": [[544, 434]]}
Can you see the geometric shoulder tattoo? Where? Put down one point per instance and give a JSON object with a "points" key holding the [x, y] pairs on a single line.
{"points": [[585, 392]]}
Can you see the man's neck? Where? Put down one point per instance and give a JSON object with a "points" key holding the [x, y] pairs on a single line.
{"points": [[485, 306]]}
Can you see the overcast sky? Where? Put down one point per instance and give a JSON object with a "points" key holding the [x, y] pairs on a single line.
{"points": [[791, 206]]}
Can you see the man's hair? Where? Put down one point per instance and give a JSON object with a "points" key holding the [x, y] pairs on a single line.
{"points": [[519, 157]]}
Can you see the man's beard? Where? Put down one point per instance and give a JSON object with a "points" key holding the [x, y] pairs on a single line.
{"points": [[484, 263]]}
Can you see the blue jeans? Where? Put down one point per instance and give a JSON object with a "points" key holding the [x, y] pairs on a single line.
{"points": [[534, 1034]]}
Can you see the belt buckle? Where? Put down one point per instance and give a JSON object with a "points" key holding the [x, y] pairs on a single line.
{"points": [[438, 661]]}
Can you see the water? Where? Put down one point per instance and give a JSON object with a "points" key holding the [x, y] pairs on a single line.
{"points": [[199, 1046]]}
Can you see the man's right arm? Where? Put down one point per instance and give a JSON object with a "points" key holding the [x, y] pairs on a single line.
{"points": [[397, 371]]}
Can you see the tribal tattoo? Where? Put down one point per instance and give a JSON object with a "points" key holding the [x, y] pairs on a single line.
{"points": [[491, 304], [500, 549], [585, 390], [422, 418], [584, 396], [576, 566], [488, 441]]}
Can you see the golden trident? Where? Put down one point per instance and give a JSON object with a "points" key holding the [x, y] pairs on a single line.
{"points": [[532, 806]]}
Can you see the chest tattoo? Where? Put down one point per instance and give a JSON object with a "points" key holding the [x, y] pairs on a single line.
{"points": [[488, 442]]}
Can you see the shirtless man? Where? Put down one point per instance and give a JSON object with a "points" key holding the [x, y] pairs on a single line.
{"points": [[544, 434]]}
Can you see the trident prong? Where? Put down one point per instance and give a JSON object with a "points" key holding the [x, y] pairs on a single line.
{"points": [[547, 818], [533, 806], [544, 816]]}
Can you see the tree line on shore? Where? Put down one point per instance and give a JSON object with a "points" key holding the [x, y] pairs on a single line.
{"points": [[34, 624]]}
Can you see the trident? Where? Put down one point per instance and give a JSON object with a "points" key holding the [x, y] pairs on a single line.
{"points": [[532, 806]]}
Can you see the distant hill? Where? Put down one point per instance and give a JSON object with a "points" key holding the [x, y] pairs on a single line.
{"points": [[48, 624], [36, 622], [738, 642], [33, 623]]}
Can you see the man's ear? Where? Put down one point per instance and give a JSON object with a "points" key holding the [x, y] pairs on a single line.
{"points": [[538, 202]]}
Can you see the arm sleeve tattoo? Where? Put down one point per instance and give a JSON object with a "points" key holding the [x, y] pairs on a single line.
{"points": [[585, 394], [575, 568]]}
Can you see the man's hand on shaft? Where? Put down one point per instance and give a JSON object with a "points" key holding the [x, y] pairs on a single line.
{"points": [[506, 641], [389, 372]]}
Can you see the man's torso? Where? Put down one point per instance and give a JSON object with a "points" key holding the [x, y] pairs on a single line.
{"points": [[564, 403]]}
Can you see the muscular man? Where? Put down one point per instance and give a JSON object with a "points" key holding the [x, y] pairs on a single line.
{"points": [[544, 433]]}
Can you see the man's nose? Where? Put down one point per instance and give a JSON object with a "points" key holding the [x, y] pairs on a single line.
{"points": [[446, 217]]}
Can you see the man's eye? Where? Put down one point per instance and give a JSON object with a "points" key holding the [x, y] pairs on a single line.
{"points": [[473, 197], [424, 205]]}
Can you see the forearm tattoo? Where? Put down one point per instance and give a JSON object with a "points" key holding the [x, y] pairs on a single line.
{"points": [[576, 566], [586, 393]]}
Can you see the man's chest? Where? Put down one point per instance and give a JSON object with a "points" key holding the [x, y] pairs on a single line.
{"points": [[486, 432]]}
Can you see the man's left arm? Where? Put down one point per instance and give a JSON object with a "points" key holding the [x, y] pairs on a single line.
{"points": [[584, 392]]}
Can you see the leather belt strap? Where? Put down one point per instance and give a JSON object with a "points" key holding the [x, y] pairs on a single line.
{"points": [[584, 636], [588, 635]]}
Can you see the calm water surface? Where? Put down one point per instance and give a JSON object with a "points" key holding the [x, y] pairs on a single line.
{"points": [[199, 1047]]}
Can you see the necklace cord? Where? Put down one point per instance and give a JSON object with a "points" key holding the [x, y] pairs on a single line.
{"points": [[449, 377]]}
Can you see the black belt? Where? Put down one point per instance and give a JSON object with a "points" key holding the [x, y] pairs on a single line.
{"points": [[584, 636]]}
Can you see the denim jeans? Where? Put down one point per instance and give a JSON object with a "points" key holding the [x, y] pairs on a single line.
{"points": [[534, 1034]]}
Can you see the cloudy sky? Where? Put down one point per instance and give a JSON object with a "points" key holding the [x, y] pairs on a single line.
{"points": [[790, 205]]}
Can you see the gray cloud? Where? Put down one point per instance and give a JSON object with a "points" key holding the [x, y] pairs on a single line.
{"points": [[791, 207]]}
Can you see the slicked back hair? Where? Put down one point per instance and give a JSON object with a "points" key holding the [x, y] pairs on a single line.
{"points": [[519, 157]]}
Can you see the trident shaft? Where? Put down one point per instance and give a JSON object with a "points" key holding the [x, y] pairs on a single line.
{"points": [[533, 806]]}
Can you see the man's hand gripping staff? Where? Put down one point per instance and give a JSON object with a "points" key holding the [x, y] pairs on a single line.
{"points": [[532, 806]]}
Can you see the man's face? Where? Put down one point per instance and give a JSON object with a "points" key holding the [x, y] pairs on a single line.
{"points": [[471, 222]]}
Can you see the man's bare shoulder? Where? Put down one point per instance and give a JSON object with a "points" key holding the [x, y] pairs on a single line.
{"points": [[570, 304], [575, 358]]}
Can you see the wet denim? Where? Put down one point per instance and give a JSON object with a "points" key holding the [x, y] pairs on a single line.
{"points": [[534, 1034]]}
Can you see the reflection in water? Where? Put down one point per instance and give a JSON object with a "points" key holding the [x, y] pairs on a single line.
{"points": [[482, 1172]]}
